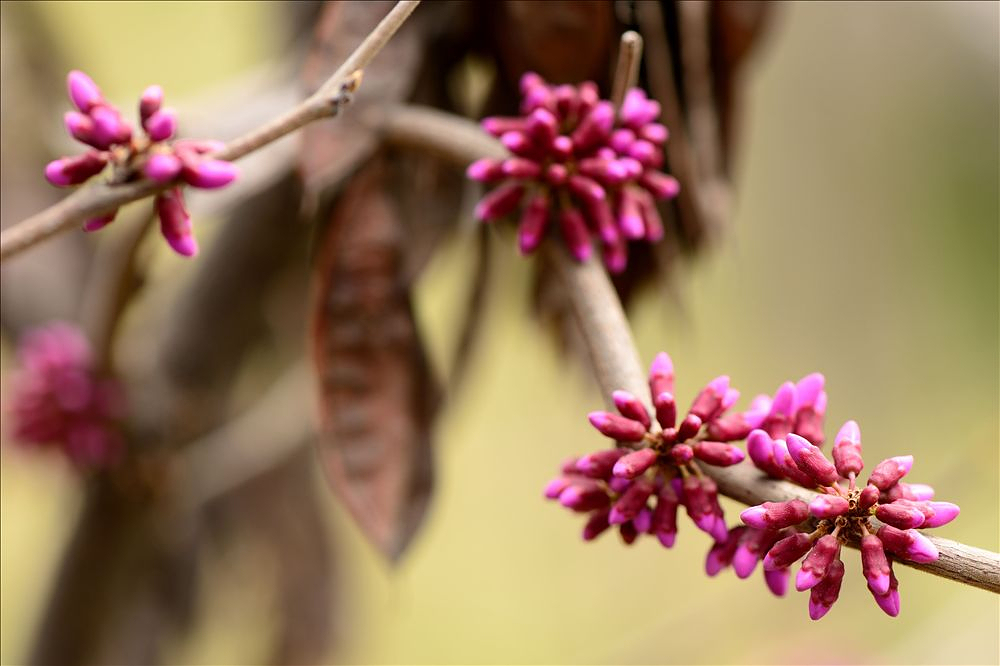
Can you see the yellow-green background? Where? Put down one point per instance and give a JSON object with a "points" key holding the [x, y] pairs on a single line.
{"points": [[864, 245]]}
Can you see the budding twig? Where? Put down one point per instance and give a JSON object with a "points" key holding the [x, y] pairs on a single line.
{"points": [[608, 338], [101, 198], [627, 69]]}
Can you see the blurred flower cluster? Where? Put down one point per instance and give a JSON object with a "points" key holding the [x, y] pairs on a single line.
{"points": [[580, 164], [100, 125], [59, 401]]}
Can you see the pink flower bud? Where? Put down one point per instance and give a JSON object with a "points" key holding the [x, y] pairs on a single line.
{"points": [[888, 602], [660, 185], [534, 222], [595, 128], [631, 502], [555, 487], [786, 551], [598, 465], [777, 581], [682, 453], [664, 405], [643, 520], [787, 467], [556, 174], [688, 428], [935, 514], [485, 170], [847, 450], [584, 496], [79, 126], [631, 407], [811, 460], [600, 214], [664, 520], [566, 99], [530, 81], [718, 453], [621, 140], [538, 97], [760, 447], [908, 544], [642, 151], [655, 133], [150, 102], [629, 533], [596, 524], [868, 498], [161, 125], [562, 147], [910, 491], [890, 471], [825, 593], [162, 167], [661, 375], [615, 256], [899, 515], [68, 171], [543, 126], [498, 126], [637, 109], [753, 544], [729, 428], [778, 422], [574, 231], [874, 564], [83, 92], [708, 402], [520, 168], [209, 174], [585, 188], [519, 144], [617, 427], [651, 220], [817, 561], [175, 223], [630, 215], [828, 506], [721, 553], [610, 172], [499, 202], [589, 96], [109, 128], [775, 515], [101, 221]]}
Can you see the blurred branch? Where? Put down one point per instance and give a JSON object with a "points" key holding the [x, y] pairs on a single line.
{"points": [[627, 69], [609, 341], [101, 198]]}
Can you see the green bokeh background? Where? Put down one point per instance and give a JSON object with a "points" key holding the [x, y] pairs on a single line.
{"points": [[864, 245]]}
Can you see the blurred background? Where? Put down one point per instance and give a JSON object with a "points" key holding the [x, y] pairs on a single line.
{"points": [[863, 244]]}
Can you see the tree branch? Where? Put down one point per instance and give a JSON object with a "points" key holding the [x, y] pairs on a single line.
{"points": [[608, 338], [102, 198]]}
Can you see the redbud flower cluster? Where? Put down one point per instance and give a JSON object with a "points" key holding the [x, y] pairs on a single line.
{"points": [[99, 124], [578, 164], [652, 471], [59, 401], [844, 512]]}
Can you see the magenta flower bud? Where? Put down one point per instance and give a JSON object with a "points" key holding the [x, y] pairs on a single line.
{"points": [[730, 428], [786, 465], [595, 128], [499, 202], [150, 102], [786, 551], [661, 375], [825, 593], [562, 147], [642, 151], [574, 231], [530, 81], [630, 215], [628, 532], [596, 524], [688, 428], [899, 515], [721, 553], [633, 169], [520, 168], [910, 491], [566, 99], [811, 460], [99, 222], [534, 222], [161, 125], [941, 513], [617, 427], [751, 547], [760, 447], [586, 188], [637, 109], [498, 125], [619, 485], [485, 170], [519, 144], [555, 487], [698, 503], [581, 497], [847, 450], [83, 92], [868, 498], [175, 223], [660, 185], [615, 256], [598, 465], [718, 453], [651, 220], [68, 171], [631, 502], [643, 520], [605, 171], [538, 97], [828, 506], [79, 126], [808, 389], [814, 567], [888, 472], [665, 407], [888, 602], [775, 515], [631, 407], [621, 140], [682, 453], [908, 544], [210, 174], [589, 96], [708, 402], [543, 126], [874, 564], [664, 519], [600, 214], [730, 398], [777, 581], [162, 167], [109, 128], [655, 133]]}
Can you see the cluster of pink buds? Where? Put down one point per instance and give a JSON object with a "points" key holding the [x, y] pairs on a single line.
{"points": [[59, 401], [100, 125], [577, 161], [640, 483], [844, 512]]}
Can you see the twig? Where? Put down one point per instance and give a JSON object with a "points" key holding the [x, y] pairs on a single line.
{"points": [[101, 198], [609, 341], [627, 69]]}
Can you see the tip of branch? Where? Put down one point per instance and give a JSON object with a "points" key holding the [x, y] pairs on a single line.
{"points": [[353, 82]]}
